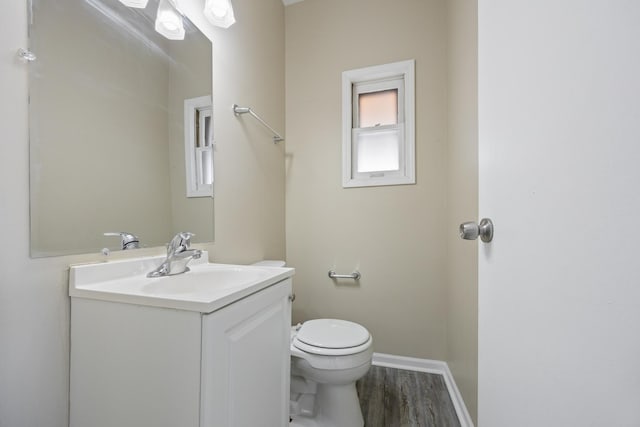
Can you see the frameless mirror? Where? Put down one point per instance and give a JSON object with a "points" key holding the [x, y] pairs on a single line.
{"points": [[107, 127]]}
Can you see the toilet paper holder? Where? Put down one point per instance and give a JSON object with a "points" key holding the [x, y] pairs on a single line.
{"points": [[355, 275]]}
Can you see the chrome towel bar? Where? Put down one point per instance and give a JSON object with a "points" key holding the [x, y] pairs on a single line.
{"points": [[355, 275], [237, 110]]}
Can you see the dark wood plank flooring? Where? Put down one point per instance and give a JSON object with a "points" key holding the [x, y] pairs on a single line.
{"points": [[398, 398]]}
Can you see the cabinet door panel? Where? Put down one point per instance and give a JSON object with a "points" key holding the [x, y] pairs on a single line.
{"points": [[133, 366], [245, 362]]}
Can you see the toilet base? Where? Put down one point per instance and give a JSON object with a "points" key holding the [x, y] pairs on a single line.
{"points": [[337, 406]]}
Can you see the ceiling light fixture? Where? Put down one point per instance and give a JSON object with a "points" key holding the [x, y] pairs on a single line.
{"points": [[138, 4], [219, 13], [169, 21]]}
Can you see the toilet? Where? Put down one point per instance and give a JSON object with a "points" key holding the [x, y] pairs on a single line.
{"points": [[328, 356]]}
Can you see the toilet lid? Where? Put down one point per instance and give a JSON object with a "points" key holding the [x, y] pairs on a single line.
{"points": [[332, 333]]}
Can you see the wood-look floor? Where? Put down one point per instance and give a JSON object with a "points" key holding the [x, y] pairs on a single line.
{"points": [[399, 398]]}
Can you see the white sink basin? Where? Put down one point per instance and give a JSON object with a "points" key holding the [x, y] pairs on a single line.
{"points": [[203, 279], [206, 288]]}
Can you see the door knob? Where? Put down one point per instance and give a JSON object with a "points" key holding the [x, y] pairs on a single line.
{"points": [[471, 230]]}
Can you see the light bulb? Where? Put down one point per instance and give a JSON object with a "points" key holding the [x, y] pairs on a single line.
{"points": [[170, 26], [219, 13], [139, 4], [169, 21]]}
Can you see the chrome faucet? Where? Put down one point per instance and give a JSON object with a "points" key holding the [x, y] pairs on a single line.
{"points": [[178, 256], [127, 240]]}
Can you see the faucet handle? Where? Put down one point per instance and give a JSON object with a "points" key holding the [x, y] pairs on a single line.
{"points": [[180, 242], [127, 240], [186, 237]]}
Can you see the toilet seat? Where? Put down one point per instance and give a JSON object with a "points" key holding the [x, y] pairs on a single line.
{"points": [[332, 337], [330, 351]]}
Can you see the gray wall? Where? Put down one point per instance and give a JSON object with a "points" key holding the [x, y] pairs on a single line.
{"points": [[462, 198], [248, 70], [418, 293], [395, 235]]}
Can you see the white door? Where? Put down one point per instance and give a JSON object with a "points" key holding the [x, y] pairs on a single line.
{"points": [[559, 296]]}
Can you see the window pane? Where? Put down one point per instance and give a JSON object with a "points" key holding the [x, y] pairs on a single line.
{"points": [[206, 166], [207, 131], [377, 151], [378, 108], [198, 132]]}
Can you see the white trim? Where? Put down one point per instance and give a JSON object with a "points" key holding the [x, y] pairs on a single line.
{"points": [[432, 367], [289, 2]]}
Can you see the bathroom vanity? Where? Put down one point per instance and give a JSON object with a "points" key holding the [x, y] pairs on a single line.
{"points": [[206, 348]]}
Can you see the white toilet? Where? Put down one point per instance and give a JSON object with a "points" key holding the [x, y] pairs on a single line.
{"points": [[328, 356]]}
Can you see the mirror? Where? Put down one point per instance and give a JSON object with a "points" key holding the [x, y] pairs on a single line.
{"points": [[106, 126]]}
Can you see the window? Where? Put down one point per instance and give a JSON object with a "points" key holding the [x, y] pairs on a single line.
{"points": [[378, 125], [198, 142]]}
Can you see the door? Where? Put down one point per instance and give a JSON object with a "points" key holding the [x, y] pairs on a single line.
{"points": [[559, 286]]}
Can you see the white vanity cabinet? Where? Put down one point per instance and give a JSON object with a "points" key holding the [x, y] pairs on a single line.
{"points": [[141, 365]]}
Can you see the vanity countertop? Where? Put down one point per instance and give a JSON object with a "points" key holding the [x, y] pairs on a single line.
{"points": [[207, 287]]}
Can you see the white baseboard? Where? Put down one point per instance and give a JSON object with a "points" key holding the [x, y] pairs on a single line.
{"points": [[432, 367]]}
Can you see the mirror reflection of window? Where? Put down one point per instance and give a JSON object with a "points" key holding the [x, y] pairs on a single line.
{"points": [[198, 143], [204, 148]]}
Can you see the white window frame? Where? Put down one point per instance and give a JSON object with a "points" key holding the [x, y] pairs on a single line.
{"points": [[397, 75], [193, 154]]}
